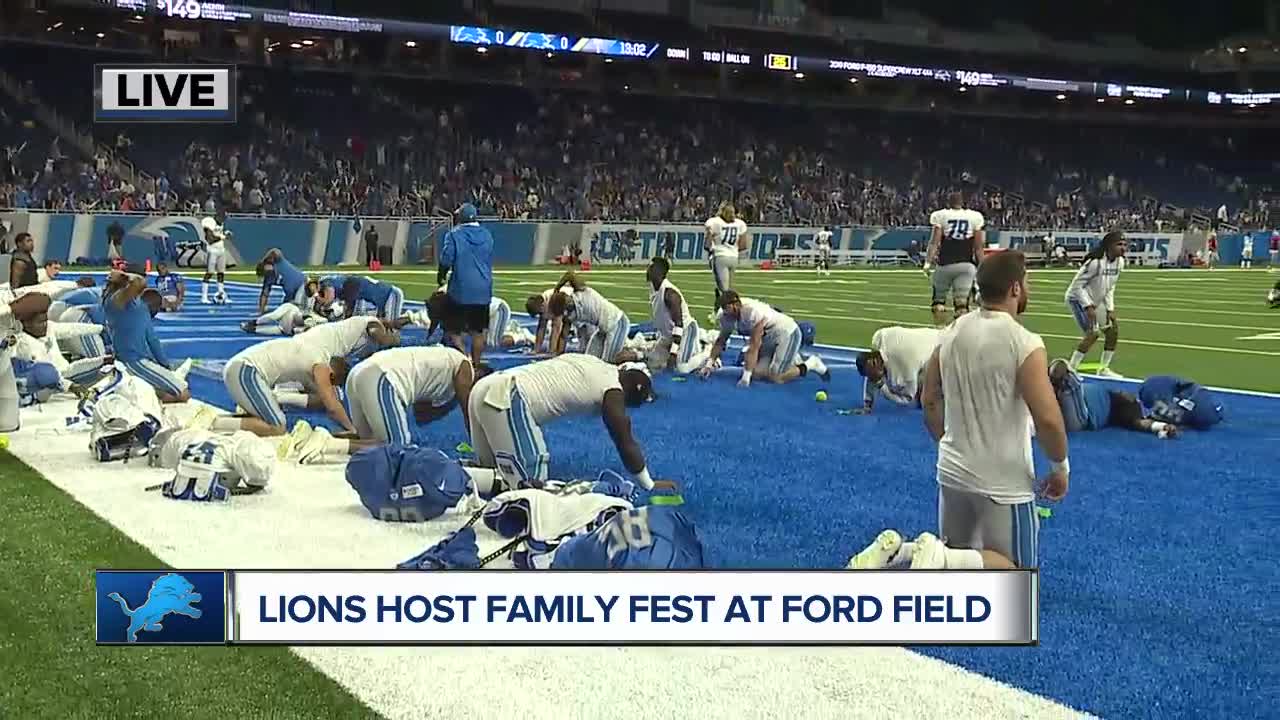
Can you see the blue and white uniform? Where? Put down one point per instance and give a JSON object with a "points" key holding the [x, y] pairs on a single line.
{"points": [[508, 408], [136, 346], [85, 346], [48, 349], [780, 346], [83, 296], [611, 325], [383, 389], [722, 245], [290, 279], [687, 352], [251, 375], [385, 297], [906, 353], [499, 318], [1085, 406], [1094, 286], [654, 537], [1178, 401], [168, 286]]}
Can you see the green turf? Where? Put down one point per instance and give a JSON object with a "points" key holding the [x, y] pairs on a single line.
{"points": [[1188, 323], [49, 547]]}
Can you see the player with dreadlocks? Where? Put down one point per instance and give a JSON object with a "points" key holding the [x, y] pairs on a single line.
{"points": [[1092, 300]]}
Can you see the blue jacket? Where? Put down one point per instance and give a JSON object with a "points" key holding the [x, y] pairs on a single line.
{"points": [[468, 253]]}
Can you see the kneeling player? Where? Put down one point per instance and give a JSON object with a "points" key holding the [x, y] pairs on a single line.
{"points": [[427, 381], [1091, 406], [387, 299], [895, 365], [507, 410], [274, 270], [678, 347], [585, 306], [538, 308], [1273, 297], [773, 345]]}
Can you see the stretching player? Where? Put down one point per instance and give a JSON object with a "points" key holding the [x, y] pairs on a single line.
{"points": [[1273, 297], [129, 307], [895, 365], [86, 293], [316, 359], [274, 270], [1092, 300], [1092, 406], [538, 308], [387, 299], [288, 319], [40, 342], [84, 346], [773, 344], [585, 306], [725, 238], [954, 248], [508, 409], [986, 385], [215, 263], [823, 242], [678, 347], [12, 314], [172, 288]]}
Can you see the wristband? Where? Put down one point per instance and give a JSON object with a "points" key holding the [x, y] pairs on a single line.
{"points": [[746, 376], [1063, 467], [643, 478], [676, 334]]}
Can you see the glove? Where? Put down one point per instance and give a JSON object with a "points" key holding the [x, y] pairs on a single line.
{"points": [[745, 381]]}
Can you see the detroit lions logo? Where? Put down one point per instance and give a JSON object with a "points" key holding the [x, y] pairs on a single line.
{"points": [[180, 228], [170, 593]]}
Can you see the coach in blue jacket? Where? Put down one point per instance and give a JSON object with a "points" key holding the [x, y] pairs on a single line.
{"points": [[466, 260]]}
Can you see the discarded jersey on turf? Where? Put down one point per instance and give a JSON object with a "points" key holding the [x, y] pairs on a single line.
{"points": [[209, 467], [654, 537], [124, 415], [406, 483]]}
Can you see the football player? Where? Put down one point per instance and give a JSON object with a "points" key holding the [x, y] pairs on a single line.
{"points": [[274, 270], [895, 365], [383, 390], [509, 408], [724, 239], [1092, 406], [773, 342], [1273, 296], [537, 307], [585, 306], [129, 307], [679, 344], [955, 247], [387, 299], [215, 263], [823, 243], [173, 289], [1091, 297]]}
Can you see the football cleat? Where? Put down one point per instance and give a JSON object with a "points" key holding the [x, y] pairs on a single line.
{"points": [[929, 553], [816, 365], [203, 419], [249, 326], [878, 554], [294, 440], [311, 450], [1108, 373]]}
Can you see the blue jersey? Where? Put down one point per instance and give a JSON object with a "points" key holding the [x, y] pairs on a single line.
{"points": [[168, 284], [93, 312], [654, 537], [374, 292], [83, 296], [1097, 398], [334, 281], [289, 278], [132, 336], [1180, 402]]}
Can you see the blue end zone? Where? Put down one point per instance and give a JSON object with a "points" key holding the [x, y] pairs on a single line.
{"points": [[1157, 572]]}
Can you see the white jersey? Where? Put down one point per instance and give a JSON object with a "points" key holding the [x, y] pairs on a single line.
{"points": [[823, 240], [958, 227], [1095, 283], [284, 360], [546, 298], [986, 446], [723, 236], [47, 349], [340, 338], [906, 352], [753, 312], [240, 458], [662, 319], [420, 373], [590, 307], [572, 384], [1247, 251]]}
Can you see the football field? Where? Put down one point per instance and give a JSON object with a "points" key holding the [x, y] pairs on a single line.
{"points": [[1156, 571]]}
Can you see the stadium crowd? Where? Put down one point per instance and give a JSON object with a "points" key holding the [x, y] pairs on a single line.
{"points": [[323, 145]]}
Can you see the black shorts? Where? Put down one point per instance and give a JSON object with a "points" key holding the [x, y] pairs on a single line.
{"points": [[460, 318]]}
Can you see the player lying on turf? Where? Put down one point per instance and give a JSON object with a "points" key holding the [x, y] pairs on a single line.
{"points": [[1092, 406], [129, 307], [274, 270], [288, 318], [773, 342], [509, 408], [679, 345], [585, 306], [1091, 297], [316, 359], [895, 365]]}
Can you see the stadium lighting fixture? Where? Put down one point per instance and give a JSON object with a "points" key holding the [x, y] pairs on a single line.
{"points": [[295, 46], [608, 60], [57, 25], [101, 35], [410, 44], [1102, 100], [482, 50], [1253, 105], [1060, 96], [551, 54], [799, 76], [1128, 101], [308, 43], [138, 18], [853, 80], [1242, 49], [963, 89]]}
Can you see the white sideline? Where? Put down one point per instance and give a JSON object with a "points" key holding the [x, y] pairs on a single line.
{"points": [[309, 518]]}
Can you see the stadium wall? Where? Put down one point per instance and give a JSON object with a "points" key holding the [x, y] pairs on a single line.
{"points": [[333, 241]]}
